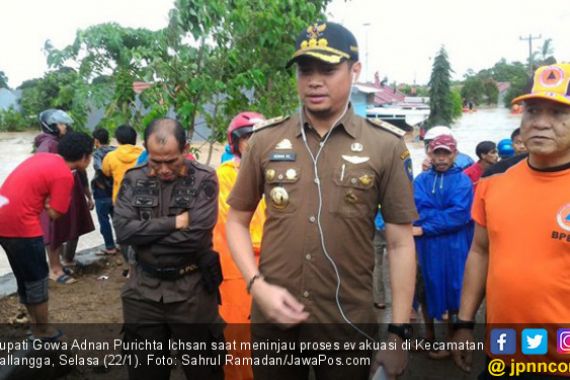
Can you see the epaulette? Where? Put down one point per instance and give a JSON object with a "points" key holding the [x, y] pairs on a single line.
{"points": [[136, 167], [200, 166], [387, 127], [269, 123]]}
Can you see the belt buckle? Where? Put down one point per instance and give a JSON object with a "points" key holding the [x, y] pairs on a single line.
{"points": [[187, 269]]}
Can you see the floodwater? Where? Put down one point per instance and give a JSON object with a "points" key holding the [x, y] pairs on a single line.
{"points": [[469, 130], [472, 128]]}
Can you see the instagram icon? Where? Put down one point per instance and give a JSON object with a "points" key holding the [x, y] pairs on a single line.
{"points": [[563, 341]]}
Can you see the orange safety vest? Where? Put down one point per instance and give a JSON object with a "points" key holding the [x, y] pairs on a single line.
{"points": [[236, 302]]}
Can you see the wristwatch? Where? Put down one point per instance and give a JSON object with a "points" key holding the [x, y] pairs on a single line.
{"points": [[458, 323], [403, 330]]}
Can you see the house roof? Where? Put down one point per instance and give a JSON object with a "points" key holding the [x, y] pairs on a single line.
{"points": [[365, 88], [503, 86], [385, 94]]}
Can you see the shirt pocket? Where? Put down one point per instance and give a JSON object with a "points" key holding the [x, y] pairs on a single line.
{"points": [[282, 187], [182, 199], [354, 193], [145, 199]]}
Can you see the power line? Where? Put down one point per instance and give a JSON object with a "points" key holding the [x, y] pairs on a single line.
{"points": [[530, 57]]}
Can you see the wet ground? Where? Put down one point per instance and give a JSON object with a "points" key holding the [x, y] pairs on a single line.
{"points": [[96, 299]]}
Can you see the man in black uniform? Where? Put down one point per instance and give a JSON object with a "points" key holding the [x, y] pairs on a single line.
{"points": [[166, 211]]}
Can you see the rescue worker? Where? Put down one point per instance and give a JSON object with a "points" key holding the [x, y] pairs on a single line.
{"points": [[324, 171], [166, 210], [236, 305], [521, 269]]}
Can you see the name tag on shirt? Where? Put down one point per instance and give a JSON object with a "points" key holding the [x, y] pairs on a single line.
{"points": [[277, 156]]}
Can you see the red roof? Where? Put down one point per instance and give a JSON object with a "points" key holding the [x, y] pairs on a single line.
{"points": [[503, 86], [386, 94]]}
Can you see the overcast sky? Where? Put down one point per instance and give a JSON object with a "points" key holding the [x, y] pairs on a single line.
{"points": [[402, 38]]}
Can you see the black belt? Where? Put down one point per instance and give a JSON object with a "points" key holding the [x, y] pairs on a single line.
{"points": [[167, 273]]}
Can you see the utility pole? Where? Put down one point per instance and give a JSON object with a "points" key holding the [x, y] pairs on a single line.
{"points": [[530, 60]]}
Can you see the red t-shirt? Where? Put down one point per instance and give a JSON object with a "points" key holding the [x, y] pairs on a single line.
{"points": [[27, 187], [474, 172]]}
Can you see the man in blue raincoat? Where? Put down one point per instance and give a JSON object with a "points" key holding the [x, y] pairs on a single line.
{"points": [[444, 231]]}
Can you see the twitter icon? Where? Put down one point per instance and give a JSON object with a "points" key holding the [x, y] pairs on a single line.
{"points": [[534, 341]]}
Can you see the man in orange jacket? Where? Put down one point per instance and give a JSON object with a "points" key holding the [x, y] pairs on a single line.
{"points": [[236, 302]]}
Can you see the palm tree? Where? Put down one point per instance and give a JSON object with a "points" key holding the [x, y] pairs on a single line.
{"points": [[544, 55]]}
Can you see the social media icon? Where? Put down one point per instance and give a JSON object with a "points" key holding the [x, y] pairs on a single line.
{"points": [[563, 341], [504, 341], [534, 341]]}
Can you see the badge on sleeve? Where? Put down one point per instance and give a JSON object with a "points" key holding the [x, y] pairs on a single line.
{"points": [[409, 169]]}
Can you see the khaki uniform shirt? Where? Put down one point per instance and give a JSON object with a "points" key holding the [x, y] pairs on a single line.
{"points": [[145, 218], [360, 166]]}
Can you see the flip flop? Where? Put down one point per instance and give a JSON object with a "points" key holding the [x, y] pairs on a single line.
{"points": [[68, 271], [53, 338], [64, 279]]}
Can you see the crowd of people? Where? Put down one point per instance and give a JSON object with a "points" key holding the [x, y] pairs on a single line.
{"points": [[292, 228]]}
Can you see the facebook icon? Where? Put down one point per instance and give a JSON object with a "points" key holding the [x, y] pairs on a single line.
{"points": [[503, 341]]}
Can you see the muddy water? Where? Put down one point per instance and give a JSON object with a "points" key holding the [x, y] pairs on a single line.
{"points": [[470, 129]]}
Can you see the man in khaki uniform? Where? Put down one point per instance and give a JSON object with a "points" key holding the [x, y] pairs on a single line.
{"points": [[166, 210], [323, 172]]}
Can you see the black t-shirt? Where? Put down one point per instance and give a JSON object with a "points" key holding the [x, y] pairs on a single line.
{"points": [[503, 165]]}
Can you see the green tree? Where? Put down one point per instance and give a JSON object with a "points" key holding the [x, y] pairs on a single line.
{"points": [[490, 91], [457, 103], [441, 107], [472, 90], [235, 61], [62, 88], [12, 121], [503, 71], [544, 55], [213, 59], [119, 55], [518, 87], [3, 80]]}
